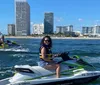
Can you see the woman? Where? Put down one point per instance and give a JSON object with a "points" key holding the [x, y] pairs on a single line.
{"points": [[1, 40], [46, 56], [1, 37]]}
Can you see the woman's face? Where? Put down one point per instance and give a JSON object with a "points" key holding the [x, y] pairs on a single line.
{"points": [[46, 41]]}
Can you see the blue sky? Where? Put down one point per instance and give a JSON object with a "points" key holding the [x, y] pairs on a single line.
{"points": [[76, 12]]}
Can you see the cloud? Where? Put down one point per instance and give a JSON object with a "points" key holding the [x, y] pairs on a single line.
{"points": [[97, 22], [58, 19], [31, 23], [80, 19]]}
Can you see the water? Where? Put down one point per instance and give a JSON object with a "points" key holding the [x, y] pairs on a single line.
{"points": [[89, 50]]}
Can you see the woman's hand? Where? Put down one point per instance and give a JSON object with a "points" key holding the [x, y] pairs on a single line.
{"points": [[56, 55]]}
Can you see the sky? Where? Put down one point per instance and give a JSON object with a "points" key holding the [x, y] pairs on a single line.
{"points": [[66, 12]]}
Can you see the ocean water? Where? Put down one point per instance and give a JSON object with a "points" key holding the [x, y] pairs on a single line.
{"points": [[89, 50]]}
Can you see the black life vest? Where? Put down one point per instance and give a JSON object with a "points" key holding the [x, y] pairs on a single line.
{"points": [[48, 52]]}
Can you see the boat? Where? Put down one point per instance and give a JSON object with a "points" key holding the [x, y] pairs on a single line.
{"points": [[73, 72]]}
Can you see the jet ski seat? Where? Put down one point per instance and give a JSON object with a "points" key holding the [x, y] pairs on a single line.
{"points": [[33, 69]]}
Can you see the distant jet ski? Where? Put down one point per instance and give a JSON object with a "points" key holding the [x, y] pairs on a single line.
{"points": [[9, 44], [73, 72]]}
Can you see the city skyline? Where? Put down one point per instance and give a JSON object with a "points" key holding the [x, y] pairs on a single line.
{"points": [[66, 12]]}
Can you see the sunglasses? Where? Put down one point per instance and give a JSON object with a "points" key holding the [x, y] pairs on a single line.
{"points": [[47, 40]]}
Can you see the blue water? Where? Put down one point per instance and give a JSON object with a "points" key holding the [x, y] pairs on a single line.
{"points": [[89, 50]]}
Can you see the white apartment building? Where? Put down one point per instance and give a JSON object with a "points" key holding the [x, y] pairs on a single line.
{"points": [[91, 31], [11, 29], [87, 30], [38, 28], [64, 29], [97, 30]]}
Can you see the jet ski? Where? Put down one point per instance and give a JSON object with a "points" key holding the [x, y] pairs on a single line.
{"points": [[73, 72], [9, 44]]}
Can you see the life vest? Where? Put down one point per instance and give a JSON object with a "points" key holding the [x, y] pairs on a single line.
{"points": [[48, 52], [5, 45]]}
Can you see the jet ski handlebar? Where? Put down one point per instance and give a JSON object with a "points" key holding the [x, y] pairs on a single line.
{"points": [[65, 57]]}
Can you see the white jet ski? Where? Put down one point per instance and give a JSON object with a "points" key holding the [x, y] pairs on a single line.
{"points": [[73, 72]]}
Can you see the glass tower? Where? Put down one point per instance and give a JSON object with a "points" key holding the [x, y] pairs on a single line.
{"points": [[48, 23]]}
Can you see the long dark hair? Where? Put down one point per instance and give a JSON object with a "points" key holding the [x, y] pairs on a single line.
{"points": [[42, 41]]}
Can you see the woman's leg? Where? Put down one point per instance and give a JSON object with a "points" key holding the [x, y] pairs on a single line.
{"points": [[58, 71], [54, 67]]}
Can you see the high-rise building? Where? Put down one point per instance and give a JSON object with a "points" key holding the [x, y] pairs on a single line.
{"points": [[97, 29], [87, 30], [70, 28], [48, 23], [11, 29], [38, 28], [22, 14], [64, 29], [59, 29]]}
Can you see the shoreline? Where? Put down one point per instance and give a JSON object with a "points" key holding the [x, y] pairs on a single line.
{"points": [[31, 37]]}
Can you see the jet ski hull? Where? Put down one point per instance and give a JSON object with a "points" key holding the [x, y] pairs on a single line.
{"points": [[72, 81], [55, 82]]}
